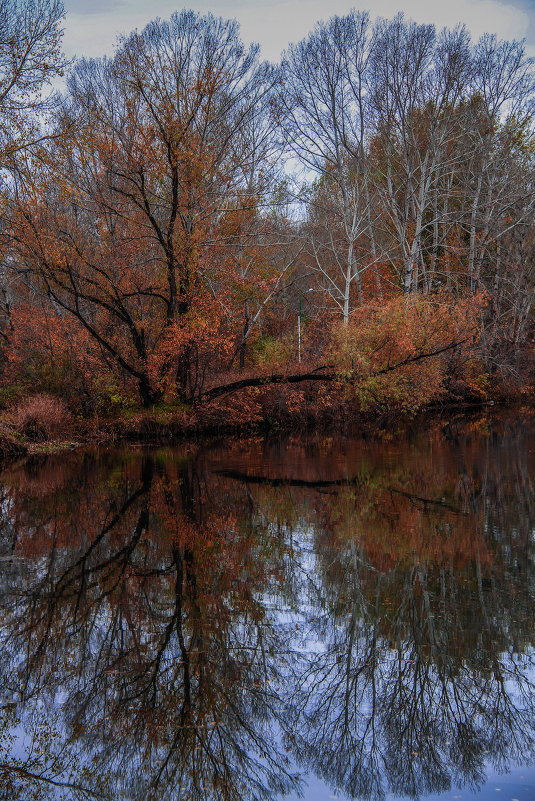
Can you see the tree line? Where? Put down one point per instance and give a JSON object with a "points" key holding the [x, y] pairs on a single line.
{"points": [[183, 211]]}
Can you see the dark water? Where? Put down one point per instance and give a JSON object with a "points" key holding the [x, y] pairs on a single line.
{"points": [[267, 619]]}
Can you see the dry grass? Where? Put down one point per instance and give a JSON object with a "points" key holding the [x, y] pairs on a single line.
{"points": [[42, 417]]}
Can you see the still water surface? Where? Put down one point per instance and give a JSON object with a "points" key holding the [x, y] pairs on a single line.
{"points": [[269, 619]]}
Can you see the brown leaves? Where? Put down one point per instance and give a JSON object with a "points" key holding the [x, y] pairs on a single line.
{"points": [[401, 354]]}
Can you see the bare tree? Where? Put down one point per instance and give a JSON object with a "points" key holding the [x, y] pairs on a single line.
{"points": [[325, 98], [418, 80]]}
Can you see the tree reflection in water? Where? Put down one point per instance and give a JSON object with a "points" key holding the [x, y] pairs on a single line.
{"points": [[193, 625]]}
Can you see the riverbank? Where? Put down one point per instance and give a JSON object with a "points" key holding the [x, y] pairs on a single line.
{"points": [[168, 424], [11, 447]]}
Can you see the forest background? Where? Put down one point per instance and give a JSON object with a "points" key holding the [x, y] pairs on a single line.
{"points": [[224, 241]]}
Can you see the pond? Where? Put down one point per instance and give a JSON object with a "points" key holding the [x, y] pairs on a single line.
{"points": [[306, 616]]}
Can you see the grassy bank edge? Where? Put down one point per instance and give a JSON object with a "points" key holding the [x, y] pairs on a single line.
{"points": [[157, 427]]}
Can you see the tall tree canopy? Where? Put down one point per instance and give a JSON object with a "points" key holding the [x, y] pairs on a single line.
{"points": [[160, 157]]}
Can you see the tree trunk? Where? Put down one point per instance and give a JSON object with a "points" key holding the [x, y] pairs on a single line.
{"points": [[149, 396]]}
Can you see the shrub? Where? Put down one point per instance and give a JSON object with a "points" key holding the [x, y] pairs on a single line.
{"points": [[410, 351], [274, 354], [42, 417]]}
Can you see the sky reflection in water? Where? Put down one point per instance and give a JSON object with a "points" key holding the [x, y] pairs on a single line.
{"points": [[252, 620]]}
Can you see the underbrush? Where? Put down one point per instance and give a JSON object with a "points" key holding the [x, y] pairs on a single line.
{"points": [[41, 417]]}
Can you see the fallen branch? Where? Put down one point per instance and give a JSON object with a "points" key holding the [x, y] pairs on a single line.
{"points": [[326, 374], [262, 381]]}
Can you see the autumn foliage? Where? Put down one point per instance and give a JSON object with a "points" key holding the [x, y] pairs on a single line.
{"points": [[42, 417], [156, 250], [408, 352]]}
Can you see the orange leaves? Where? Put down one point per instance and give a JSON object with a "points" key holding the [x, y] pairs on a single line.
{"points": [[200, 335], [145, 237], [43, 350], [402, 354]]}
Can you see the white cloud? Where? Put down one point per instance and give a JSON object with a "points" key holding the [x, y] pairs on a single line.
{"points": [[94, 7], [92, 26]]}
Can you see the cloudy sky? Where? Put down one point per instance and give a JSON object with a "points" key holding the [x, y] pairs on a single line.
{"points": [[92, 26]]}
